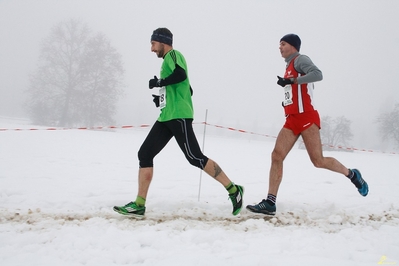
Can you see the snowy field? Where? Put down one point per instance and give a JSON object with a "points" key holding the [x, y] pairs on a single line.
{"points": [[58, 187]]}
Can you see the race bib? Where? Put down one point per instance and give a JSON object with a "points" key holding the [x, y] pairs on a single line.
{"points": [[162, 97], [287, 95]]}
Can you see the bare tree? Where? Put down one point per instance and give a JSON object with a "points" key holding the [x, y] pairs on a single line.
{"points": [[103, 71], [389, 125], [336, 132], [78, 80]]}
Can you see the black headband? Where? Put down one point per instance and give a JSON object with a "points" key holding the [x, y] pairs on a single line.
{"points": [[158, 37]]}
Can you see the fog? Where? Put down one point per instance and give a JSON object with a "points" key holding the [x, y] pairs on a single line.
{"points": [[231, 48]]}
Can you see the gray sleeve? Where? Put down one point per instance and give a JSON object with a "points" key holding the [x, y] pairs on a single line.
{"points": [[305, 66]]}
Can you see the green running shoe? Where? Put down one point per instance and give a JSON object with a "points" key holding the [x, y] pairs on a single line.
{"points": [[131, 209], [237, 199]]}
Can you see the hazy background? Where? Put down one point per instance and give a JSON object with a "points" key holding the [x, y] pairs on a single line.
{"points": [[231, 48]]}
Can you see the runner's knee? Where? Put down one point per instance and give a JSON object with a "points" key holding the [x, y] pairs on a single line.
{"points": [[198, 162], [318, 163], [145, 160], [277, 155]]}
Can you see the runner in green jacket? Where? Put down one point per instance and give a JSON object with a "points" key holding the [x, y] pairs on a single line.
{"points": [[175, 120]]}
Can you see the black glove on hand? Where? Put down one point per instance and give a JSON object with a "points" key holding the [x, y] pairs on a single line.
{"points": [[282, 81], [155, 82], [156, 100]]}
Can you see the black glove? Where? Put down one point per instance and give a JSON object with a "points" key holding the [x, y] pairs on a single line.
{"points": [[282, 81], [156, 100], [155, 82]]}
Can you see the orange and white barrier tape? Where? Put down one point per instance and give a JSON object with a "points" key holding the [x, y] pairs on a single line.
{"points": [[78, 128], [238, 130], [201, 123]]}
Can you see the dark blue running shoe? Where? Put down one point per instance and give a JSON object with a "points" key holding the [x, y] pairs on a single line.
{"points": [[359, 182], [262, 207]]}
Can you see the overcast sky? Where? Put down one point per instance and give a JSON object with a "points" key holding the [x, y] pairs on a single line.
{"points": [[231, 48]]}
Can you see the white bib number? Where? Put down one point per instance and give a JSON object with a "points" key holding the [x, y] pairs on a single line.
{"points": [[162, 97], [287, 95]]}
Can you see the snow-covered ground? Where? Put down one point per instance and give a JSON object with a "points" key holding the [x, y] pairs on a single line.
{"points": [[58, 187]]}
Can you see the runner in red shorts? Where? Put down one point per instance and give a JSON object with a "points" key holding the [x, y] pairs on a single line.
{"points": [[302, 119]]}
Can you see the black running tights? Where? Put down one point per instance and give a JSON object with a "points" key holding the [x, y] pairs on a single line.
{"points": [[162, 132]]}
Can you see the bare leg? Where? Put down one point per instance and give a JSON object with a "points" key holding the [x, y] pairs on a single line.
{"points": [[214, 170], [211, 168], [284, 143], [311, 138], [145, 178]]}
